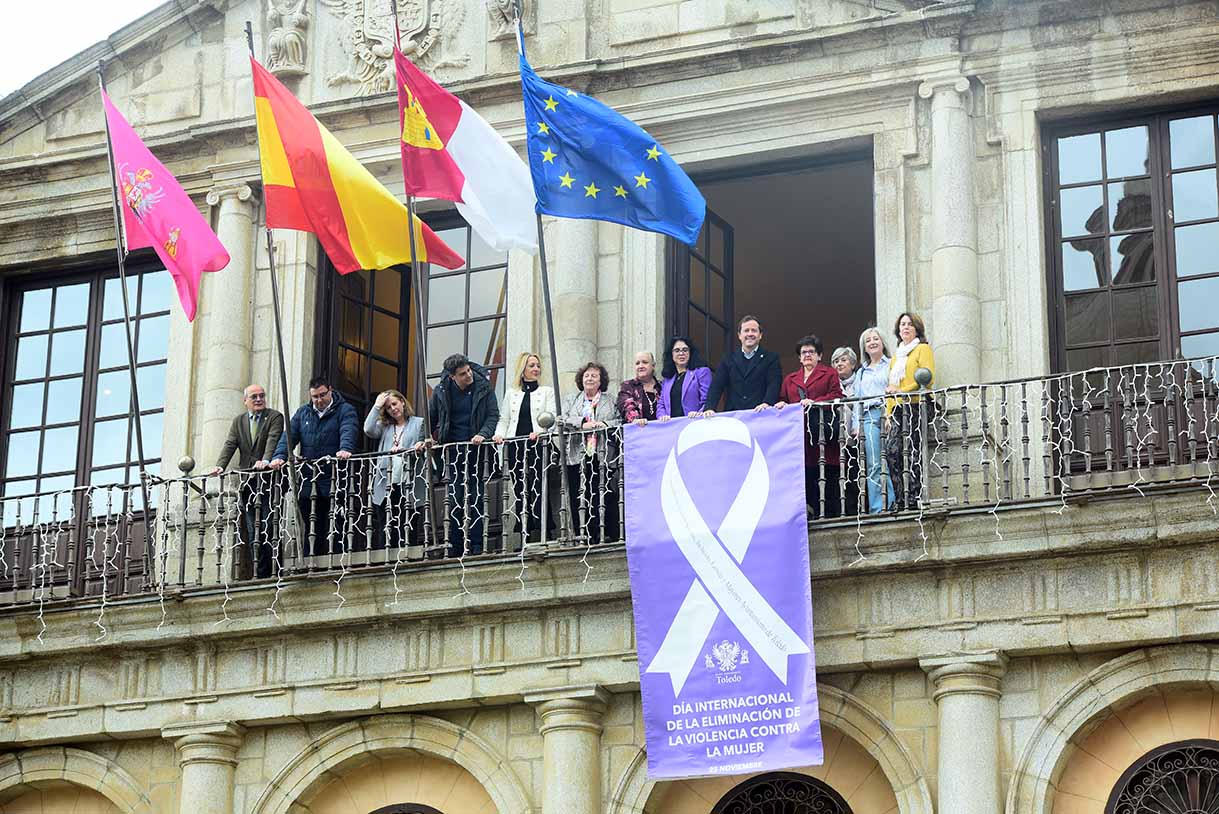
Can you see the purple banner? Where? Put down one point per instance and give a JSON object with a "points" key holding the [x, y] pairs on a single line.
{"points": [[717, 546]]}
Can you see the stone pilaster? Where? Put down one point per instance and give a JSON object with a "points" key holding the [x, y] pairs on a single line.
{"points": [[207, 757], [573, 282], [956, 315], [227, 366], [967, 690], [571, 747]]}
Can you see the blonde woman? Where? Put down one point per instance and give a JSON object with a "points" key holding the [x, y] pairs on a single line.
{"points": [[526, 400], [392, 423], [871, 381]]}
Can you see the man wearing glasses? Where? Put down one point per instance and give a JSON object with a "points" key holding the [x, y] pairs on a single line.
{"points": [[253, 435]]}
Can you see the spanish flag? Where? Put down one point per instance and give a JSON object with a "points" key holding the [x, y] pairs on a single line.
{"points": [[313, 184]]}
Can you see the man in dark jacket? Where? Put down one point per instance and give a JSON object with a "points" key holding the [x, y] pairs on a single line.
{"points": [[326, 427], [748, 378], [463, 409]]}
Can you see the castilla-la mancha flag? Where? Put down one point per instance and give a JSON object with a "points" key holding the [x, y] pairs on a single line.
{"points": [[313, 184], [451, 153], [157, 212]]}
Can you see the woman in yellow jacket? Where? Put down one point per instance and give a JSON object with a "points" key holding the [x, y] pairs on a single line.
{"points": [[904, 441]]}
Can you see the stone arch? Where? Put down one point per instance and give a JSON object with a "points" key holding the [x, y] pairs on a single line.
{"points": [[78, 767], [347, 745], [840, 711], [1080, 710]]}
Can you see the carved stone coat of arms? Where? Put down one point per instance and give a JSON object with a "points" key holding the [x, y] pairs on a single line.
{"points": [[367, 34]]}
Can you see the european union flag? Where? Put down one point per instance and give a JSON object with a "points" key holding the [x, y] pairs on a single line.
{"points": [[589, 162]]}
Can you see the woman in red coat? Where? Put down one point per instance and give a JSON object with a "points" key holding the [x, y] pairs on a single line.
{"points": [[816, 382]]}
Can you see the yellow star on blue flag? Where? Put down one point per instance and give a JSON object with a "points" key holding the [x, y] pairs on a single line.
{"points": [[573, 136]]}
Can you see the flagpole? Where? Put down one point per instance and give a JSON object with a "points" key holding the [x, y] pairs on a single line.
{"points": [[121, 258], [279, 329], [564, 486], [416, 282]]}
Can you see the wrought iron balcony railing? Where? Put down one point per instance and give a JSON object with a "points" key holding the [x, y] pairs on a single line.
{"points": [[1111, 431]]}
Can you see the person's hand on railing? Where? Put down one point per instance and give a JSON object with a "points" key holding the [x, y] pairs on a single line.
{"points": [[260, 464], [497, 439], [215, 470], [342, 454], [592, 425], [478, 439], [665, 418], [277, 463], [761, 407], [426, 444], [533, 436]]}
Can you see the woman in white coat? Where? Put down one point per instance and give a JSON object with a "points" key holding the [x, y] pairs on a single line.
{"points": [[525, 400]]}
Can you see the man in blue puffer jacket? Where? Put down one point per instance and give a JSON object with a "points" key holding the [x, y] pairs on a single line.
{"points": [[326, 427]]}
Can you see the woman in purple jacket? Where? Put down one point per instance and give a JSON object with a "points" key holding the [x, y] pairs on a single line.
{"points": [[686, 372]]}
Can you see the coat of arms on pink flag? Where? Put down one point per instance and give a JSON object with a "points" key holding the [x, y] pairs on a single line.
{"points": [[157, 212]]}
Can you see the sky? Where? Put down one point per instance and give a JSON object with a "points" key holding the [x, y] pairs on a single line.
{"points": [[37, 35]]}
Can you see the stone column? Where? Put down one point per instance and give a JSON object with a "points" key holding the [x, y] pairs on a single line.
{"points": [[573, 289], [229, 319], [207, 756], [956, 314], [571, 748], [967, 690]]}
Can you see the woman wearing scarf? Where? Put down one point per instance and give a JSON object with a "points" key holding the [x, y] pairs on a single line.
{"points": [[526, 400], [902, 426], [591, 485], [846, 363], [398, 490]]}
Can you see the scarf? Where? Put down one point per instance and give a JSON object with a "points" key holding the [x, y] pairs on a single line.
{"points": [[590, 414], [897, 369], [848, 384]]}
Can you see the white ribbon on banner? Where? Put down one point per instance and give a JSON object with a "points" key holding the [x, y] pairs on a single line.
{"points": [[715, 558]]}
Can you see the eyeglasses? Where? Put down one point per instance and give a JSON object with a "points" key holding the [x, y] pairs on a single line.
{"points": [[807, 352], [257, 396], [681, 350]]}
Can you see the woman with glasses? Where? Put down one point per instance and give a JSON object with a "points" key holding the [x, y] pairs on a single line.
{"points": [[686, 374], [816, 382]]}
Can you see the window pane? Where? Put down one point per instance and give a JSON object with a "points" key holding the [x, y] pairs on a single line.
{"points": [[36, 310], [1196, 301], [58, 506], [1197, 249], [151, 381], [1088, 358], [456, 240], [114, 393], [441, 342], [1126, 152], [1082, 211], [1130, 205], [1194, 196], [63, 400], [351, 323], [488, 293], [71, 305], [1132, 258], [446, 299], [385, 335], [1193, 347], [716, 304], [13, 508], [67, 352], [1192, 141], [352, 369], [32, 357], [59, 447], [483, 255], [384, 377], [154, 339], [1136, 353], [158, 294], [698, 282], [27, 406], [1079, 158], [110, 441], [114, 346], [1083, 264], [112, 297], [487, 342], [1087, 318], [387, 289], [1135, 313], [153, 426], [22, 454]]}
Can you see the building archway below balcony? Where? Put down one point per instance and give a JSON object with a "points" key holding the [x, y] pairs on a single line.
{"points": [[54, 779], [409, 762], [866, 764]]}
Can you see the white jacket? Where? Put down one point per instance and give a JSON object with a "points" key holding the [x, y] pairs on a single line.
{"points": [[540, 401]]}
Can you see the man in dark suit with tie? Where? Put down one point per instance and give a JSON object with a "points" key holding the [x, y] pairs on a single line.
{"points": [[748, 378], [253, 436]]}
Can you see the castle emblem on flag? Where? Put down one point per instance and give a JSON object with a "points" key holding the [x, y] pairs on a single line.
{"points": [[137, 190], [417, 130]]}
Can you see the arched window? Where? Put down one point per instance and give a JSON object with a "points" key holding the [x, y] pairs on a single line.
{"points": [[782, 793], [1179, 778], [407, 808]]}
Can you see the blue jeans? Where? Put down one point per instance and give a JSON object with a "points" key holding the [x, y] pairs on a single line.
{"points": [[873, 417]]}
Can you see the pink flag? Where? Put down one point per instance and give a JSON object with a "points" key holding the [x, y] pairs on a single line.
{"points": [[157, 212]]}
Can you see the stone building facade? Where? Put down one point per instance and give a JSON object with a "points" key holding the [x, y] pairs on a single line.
{"points": [[1025, 659]]}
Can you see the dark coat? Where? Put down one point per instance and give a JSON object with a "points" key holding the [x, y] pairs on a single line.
{"points": [[484, 412], [250, 450], [338, 429], [745, 383], [823, 385]]}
